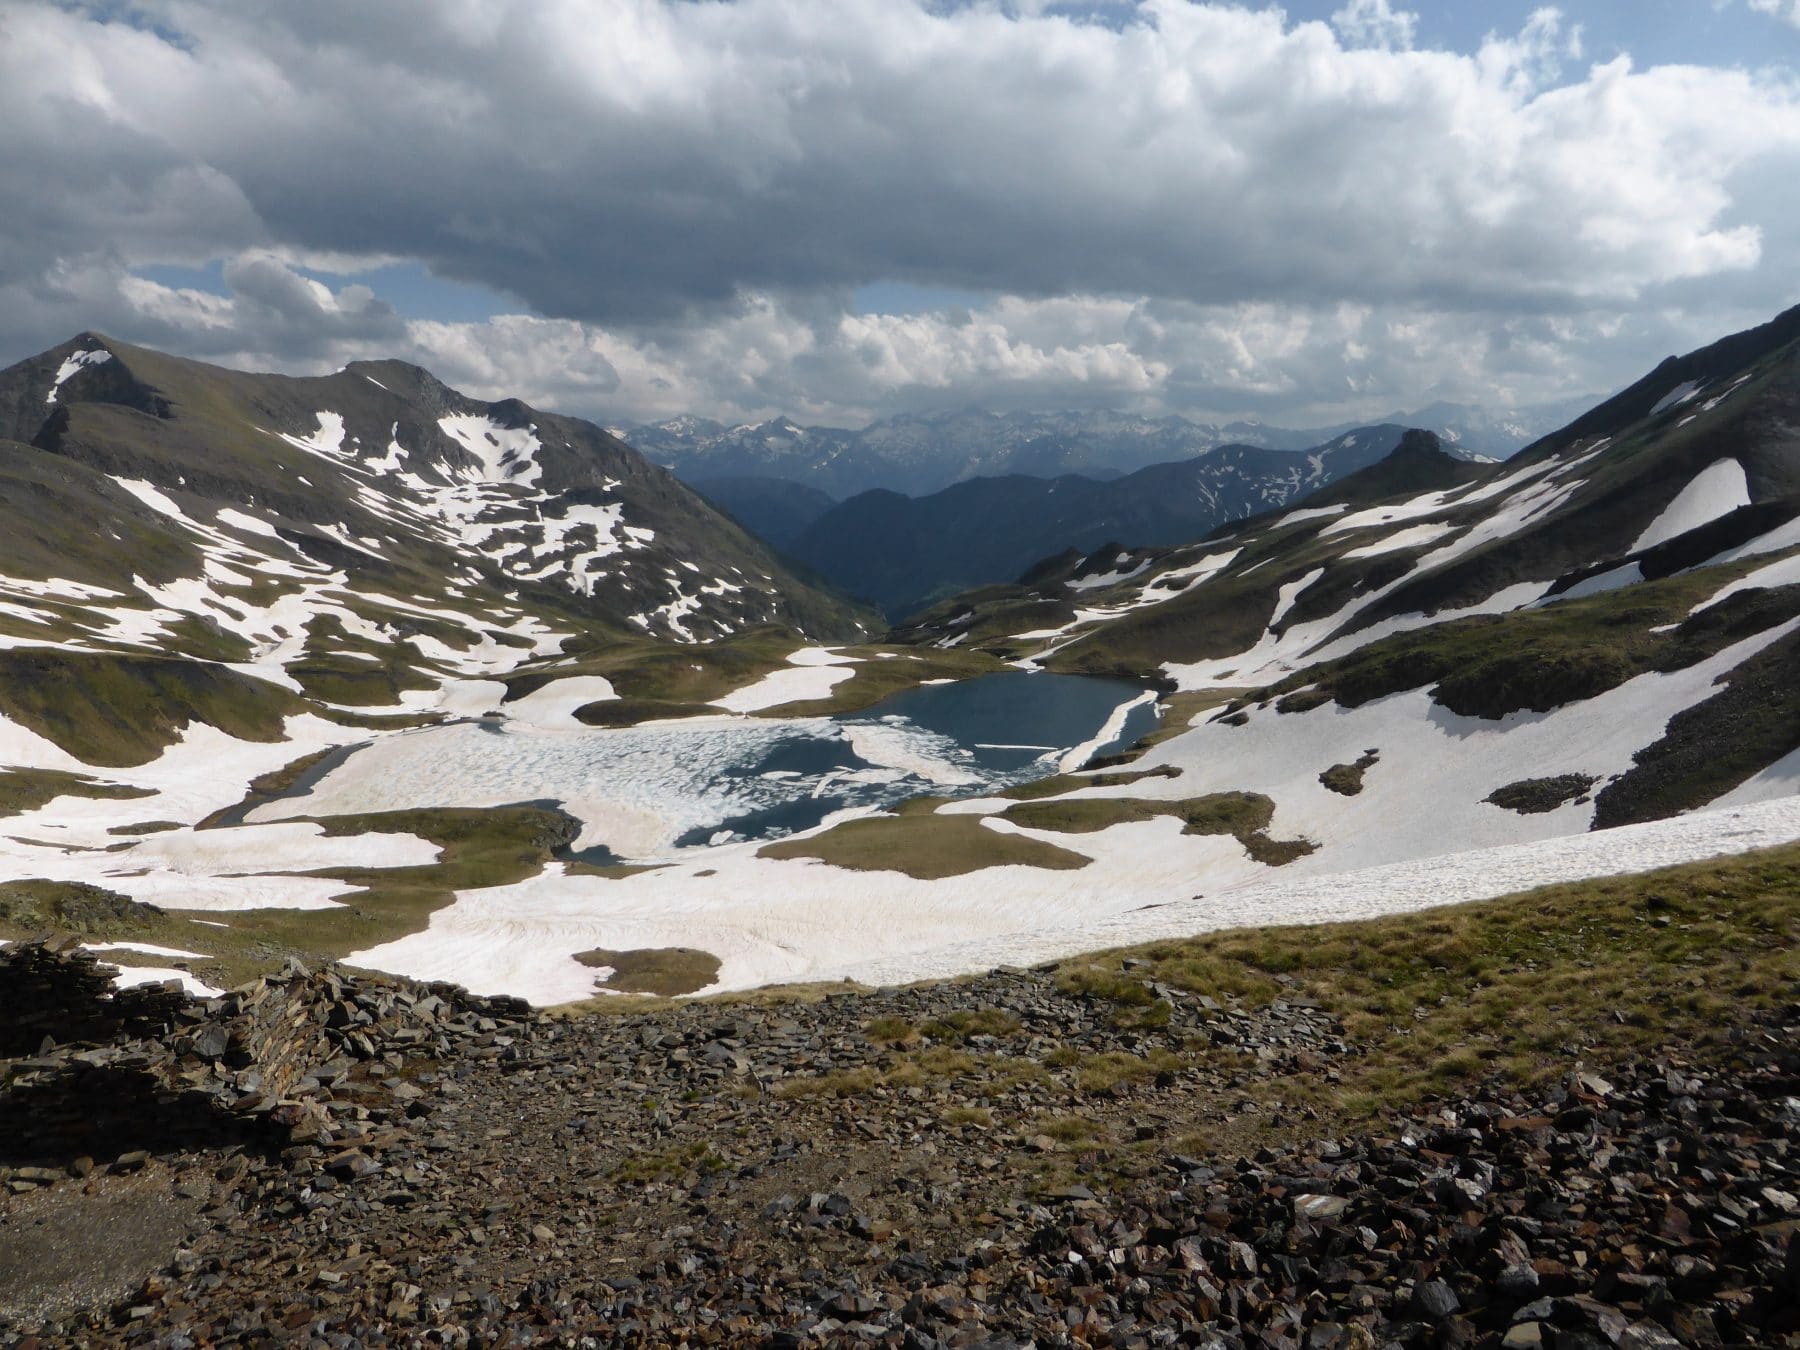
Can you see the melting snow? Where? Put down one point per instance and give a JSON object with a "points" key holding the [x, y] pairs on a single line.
{"points": [[1412, 537], [124, 977], [555, 704], [1680, 394], [1112, 578], [503, 454], [1628, 575], [1108, 733], [1773, 541], [327, 442], [1717, 490], [1311, 513], [72, 363], [814, 673], [636, 790], [1285, 598], [1784, 572]]}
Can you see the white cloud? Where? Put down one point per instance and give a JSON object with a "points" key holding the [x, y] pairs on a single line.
{"points": [[1373, 23], [1781, 9], [1192, 202], [1301, 364]]}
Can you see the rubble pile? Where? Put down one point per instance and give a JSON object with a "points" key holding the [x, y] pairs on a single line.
{"points": [[993, 1162]]}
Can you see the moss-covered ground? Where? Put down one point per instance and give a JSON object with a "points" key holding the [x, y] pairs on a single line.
{"points": [[925, 845], [122, 711], [1243, 815], [23, 790], [663, 971]]}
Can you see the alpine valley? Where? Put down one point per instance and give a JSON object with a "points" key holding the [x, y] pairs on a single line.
{"points": [[358, 668]]}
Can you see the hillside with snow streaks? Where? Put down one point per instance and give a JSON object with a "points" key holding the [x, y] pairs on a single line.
{"points": [[383, 473], [211, 579]]}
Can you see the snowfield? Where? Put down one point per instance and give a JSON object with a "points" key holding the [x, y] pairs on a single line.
{"points": [[1716, 490], [772, 922], [815, 672], [1379, 852]]}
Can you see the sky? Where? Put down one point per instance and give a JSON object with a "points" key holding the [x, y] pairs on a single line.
{"points": [[843, 209]]}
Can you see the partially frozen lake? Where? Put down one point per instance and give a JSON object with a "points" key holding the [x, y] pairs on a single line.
{"points": [[653, 790]]}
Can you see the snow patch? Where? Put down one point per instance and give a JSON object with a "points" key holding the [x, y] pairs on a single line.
{"points": [[1311, 513], [1628, 575], [555, 704], [813, 673], [1113, 578], [73, 363], [1783, 572], [1680, 394], [327, 442], [1717, 490], [502, 454], [1108, 733], [125, 977], [1412, 537]]}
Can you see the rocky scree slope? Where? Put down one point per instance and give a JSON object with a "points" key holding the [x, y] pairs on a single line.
{"points": [[997, 1162]]}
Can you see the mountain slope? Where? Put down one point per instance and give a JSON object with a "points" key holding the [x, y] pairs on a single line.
{"points": [[903, 553], [182, 545], [775, 509], [1426, 683]]}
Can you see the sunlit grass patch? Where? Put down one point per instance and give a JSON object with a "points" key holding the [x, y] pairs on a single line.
{"points": [[1243, 815], [1522, 986], [666, 972], [23, 790], [924, 845]]}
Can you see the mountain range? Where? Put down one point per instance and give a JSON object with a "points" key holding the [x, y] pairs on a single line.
{"points": [[299, 689], [920, 453], [902, 553], [311, 667]]}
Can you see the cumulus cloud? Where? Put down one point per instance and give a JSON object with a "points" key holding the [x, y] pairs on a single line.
{"points": [[1175, 200], [1374, 23], [768, 355], [1781, 9], [1301, 365]]}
